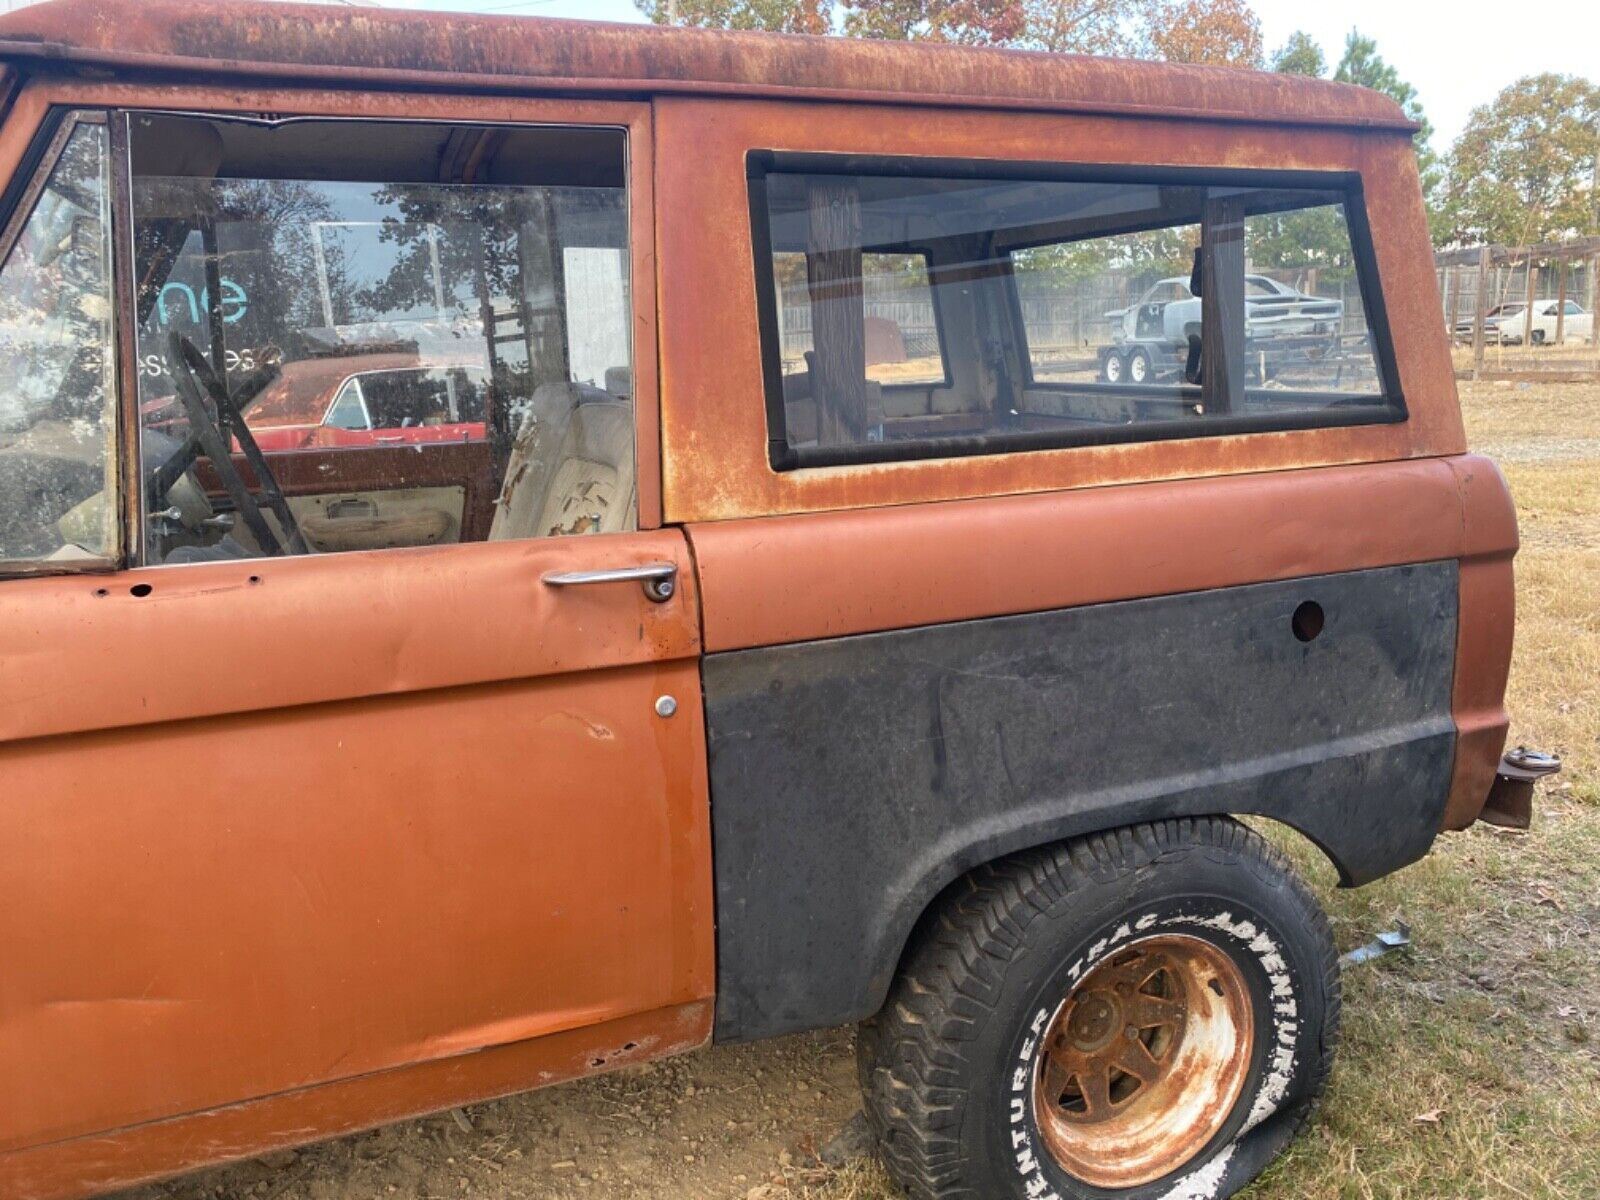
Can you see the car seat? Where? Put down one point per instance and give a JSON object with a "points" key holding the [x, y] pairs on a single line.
{"points": [[571, 468]]}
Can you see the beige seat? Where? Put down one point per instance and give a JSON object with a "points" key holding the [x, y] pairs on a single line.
{"points": [[571, 468]]}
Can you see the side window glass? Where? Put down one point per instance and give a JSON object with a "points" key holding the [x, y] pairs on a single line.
{"points": [[1062, 312], [1102, 311], [901, 346], [1307, 333], [58, 476], [901, 326], [432, 347], [348, 411]]}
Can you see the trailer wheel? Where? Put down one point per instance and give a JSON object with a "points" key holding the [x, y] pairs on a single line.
{"points": [[1140, 1014], [1139, 366], [1112, 367]]}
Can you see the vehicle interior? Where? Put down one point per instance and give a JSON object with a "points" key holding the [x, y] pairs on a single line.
{"points": [[968, 354], [459, 292]]}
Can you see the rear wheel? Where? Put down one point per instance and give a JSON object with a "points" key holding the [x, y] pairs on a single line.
{"points": [[1112, 367], [1139, 366], [1139, 1014]]}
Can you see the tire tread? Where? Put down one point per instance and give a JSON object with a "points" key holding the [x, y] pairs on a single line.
{"points": [[912, 1056]]}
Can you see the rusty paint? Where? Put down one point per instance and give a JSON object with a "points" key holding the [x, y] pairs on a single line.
{"points": [[714, 432], [1010, 554], [934, 563], [1487, 620], [1144, 1062], [193, 618], [359, 883], [304, 43], [358, 743], [82, 1166]]}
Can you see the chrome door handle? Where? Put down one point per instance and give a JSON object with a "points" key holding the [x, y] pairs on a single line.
{"points": [[660, 579]]}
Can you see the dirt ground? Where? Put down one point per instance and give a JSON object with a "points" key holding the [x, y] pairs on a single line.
{"points": [[1470, 1066]]}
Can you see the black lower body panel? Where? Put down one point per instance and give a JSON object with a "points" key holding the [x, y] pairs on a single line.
{"points": [[853, 779]]}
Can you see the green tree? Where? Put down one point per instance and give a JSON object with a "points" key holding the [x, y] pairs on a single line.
{"points": [[1364, 66], [771, 16], [1300, 55], [1526, 167]]}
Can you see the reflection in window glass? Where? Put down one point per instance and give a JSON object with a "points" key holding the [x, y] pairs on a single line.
{"points": [[1115, 309], [348, 411], [1305, 328], [433, 349], [1057, 312], [58, 495], [899, 325]]}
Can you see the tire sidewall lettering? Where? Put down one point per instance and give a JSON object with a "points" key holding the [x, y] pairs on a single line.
{"points": [[1279, 1030]]}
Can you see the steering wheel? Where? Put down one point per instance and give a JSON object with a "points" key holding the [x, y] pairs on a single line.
{"points": [[200, 391]]}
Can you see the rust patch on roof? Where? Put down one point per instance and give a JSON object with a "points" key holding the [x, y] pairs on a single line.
{"points": [[303, 42]]}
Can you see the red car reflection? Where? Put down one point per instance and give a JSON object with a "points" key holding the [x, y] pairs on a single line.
{"points": [[371, 400], [358, 400]]}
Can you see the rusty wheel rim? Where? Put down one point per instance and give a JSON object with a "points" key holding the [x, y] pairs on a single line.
{"points": [[1144, 1061]]}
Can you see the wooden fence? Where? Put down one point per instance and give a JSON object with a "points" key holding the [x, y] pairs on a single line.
{"points": [[1476, 281]]}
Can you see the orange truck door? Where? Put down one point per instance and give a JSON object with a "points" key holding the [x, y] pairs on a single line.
{"points": [[270, 823]]}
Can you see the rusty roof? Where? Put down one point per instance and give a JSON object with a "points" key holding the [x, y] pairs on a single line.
{"points": [[290, 43]]}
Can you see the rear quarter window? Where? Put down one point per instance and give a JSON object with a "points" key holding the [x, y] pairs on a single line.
{"points": [[911, 313]]}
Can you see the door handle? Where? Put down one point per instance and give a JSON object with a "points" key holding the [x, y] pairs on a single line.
{"points": [[660, 579]]}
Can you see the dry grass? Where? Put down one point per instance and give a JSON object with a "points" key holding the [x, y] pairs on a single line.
{"points": [[1571, 355]]}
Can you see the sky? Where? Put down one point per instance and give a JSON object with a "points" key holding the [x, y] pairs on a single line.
{"points": [[1457, 55]]}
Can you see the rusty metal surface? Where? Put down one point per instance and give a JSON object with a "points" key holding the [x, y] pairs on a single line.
{"points": [[457, 50], [1510, 803], [169, 628], [334, 808], [1484, 634], [714, 433], [349, 889], [933, 564], [1144, 1062], [84, 1166], [432, 680]]}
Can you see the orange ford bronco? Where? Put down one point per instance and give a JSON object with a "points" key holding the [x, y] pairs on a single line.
{"points": [[856, 527]]}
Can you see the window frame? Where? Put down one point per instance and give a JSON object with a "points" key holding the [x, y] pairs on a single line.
{"points": [[352, 384], [946, 380], [639, 248], [28, 183], [907, 250], [1389, 406]]}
